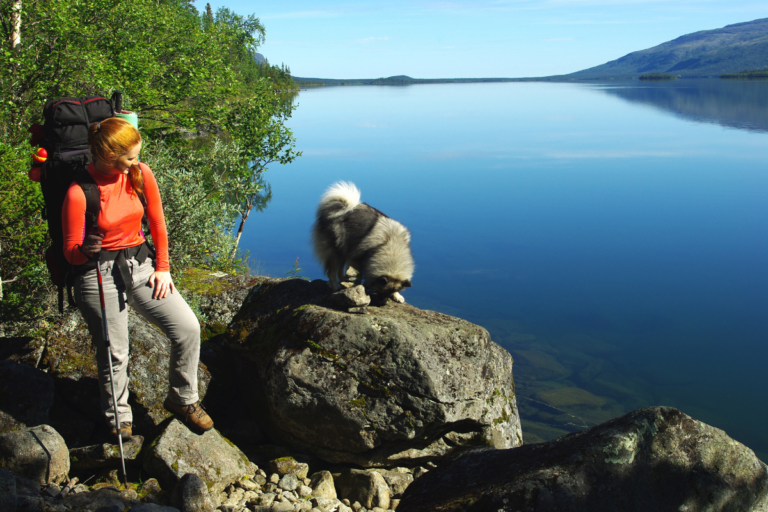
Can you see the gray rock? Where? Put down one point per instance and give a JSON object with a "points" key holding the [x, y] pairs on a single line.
{"points": [[150, 486], [289, 466], [191, 495], [325, 504], [353, 297], [367, 487], [398, 481], [26, 396], [7, 491], [70, 360], [152, 507], [30, 504], [178, 451], [38, 453], [105, 455], [323, 486], [393, 504], [282, 506], [389, 388], [288, 482], [651, 459], [105, 499]]}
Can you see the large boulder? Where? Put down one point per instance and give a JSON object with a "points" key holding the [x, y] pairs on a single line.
{"points": [[26, 396], [70, 359], [395, 387], [651, 459], [178, 452], [38, 453]]}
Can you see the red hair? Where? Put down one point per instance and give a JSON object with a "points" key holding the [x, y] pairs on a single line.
{"points": [[113, 138]]}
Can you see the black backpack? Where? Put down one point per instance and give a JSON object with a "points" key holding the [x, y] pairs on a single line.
{"points": [[66, 141]]}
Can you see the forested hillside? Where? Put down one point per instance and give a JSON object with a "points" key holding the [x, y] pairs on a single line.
{"points": [[708, 53], [212, 119]]}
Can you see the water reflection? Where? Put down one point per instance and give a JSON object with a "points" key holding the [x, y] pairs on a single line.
{"points": [[739, 104]]}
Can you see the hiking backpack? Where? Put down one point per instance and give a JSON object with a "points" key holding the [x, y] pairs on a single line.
{"points": [[65, 138]]}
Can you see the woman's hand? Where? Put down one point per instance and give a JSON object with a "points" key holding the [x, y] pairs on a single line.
{"points": [[162, 284], [92, 244]]}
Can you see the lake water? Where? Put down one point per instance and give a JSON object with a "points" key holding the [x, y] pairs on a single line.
{"points": [[612, 237]]}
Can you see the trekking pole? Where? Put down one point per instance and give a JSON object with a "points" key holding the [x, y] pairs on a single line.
{"points": [[111, 374]]}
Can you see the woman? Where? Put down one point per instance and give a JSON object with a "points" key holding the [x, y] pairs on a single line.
{"points": [[130, 274]]}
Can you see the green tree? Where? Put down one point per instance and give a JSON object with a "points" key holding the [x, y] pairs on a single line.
{"points": [[257, 124]]}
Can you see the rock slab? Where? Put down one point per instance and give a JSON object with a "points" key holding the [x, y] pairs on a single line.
{"points": [[7, 491], [105, 455], [178, 451], [366, 487], [396, 387], [26, 396], [655, 458], [38, 453]]}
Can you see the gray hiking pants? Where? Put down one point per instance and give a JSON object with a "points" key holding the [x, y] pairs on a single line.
{"points": [[172, 315]]}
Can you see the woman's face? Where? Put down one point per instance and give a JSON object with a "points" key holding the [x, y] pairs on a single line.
{"points": [[124, 162]]}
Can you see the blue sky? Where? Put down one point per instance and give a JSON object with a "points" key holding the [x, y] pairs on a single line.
{"points": [[495, 38]]}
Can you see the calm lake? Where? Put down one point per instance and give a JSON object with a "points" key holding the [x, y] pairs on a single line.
{"points": [[613, 237]]}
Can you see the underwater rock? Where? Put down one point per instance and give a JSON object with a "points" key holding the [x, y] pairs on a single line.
{"points": [[397, 387], [655, 458]]}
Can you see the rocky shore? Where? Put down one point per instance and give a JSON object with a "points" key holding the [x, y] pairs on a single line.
{"points": [[333, 402]]}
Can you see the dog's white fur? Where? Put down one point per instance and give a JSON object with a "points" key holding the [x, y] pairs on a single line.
{"points": [[386, 244]]}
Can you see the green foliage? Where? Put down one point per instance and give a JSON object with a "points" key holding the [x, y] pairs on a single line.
{"points": [[194, 80], [749, 74], [23, 235], [658, 76]]}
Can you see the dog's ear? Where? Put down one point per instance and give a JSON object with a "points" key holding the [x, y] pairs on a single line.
{"points": [[407, 283]]}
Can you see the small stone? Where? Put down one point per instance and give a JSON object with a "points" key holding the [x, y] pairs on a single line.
{"points": [[419, 471], [358, 311], [379, 509], [431, 465], [191, 495], [393, 504], [354, 297], [285, 506], [267, 499], [52, 490], [250, 496], [356, 506], [270, 487], [307, 481], [151, 486], [346, 502], [304, 491], [248, 485], [262, 473], [289, 482], [260, 479], [323, 486], [289, 465], [274, 478]]}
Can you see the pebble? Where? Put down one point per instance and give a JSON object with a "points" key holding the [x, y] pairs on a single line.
{"points": [[274, 478], [393, 504], [289, 482], [304, 491]]}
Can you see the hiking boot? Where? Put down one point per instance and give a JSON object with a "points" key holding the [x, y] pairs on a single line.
{"points": [[193, 415], [125, 430]]}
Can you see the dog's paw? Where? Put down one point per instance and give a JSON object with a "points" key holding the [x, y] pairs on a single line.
{"points": [[397, 298]]}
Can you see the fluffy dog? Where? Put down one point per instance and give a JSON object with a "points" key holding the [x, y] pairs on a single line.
{"points": [[350, 233]]}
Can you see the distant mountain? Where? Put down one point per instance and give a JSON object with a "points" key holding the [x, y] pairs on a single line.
{"points": [[708, 53], [258, 58]]}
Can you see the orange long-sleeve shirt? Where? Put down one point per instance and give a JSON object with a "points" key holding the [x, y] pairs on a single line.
{"points": [[119, 217]]}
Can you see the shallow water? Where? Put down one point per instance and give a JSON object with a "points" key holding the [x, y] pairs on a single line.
{"points": [[611, 236]]}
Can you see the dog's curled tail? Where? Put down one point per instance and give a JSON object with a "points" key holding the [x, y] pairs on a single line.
{"points": [[340, 198]]}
